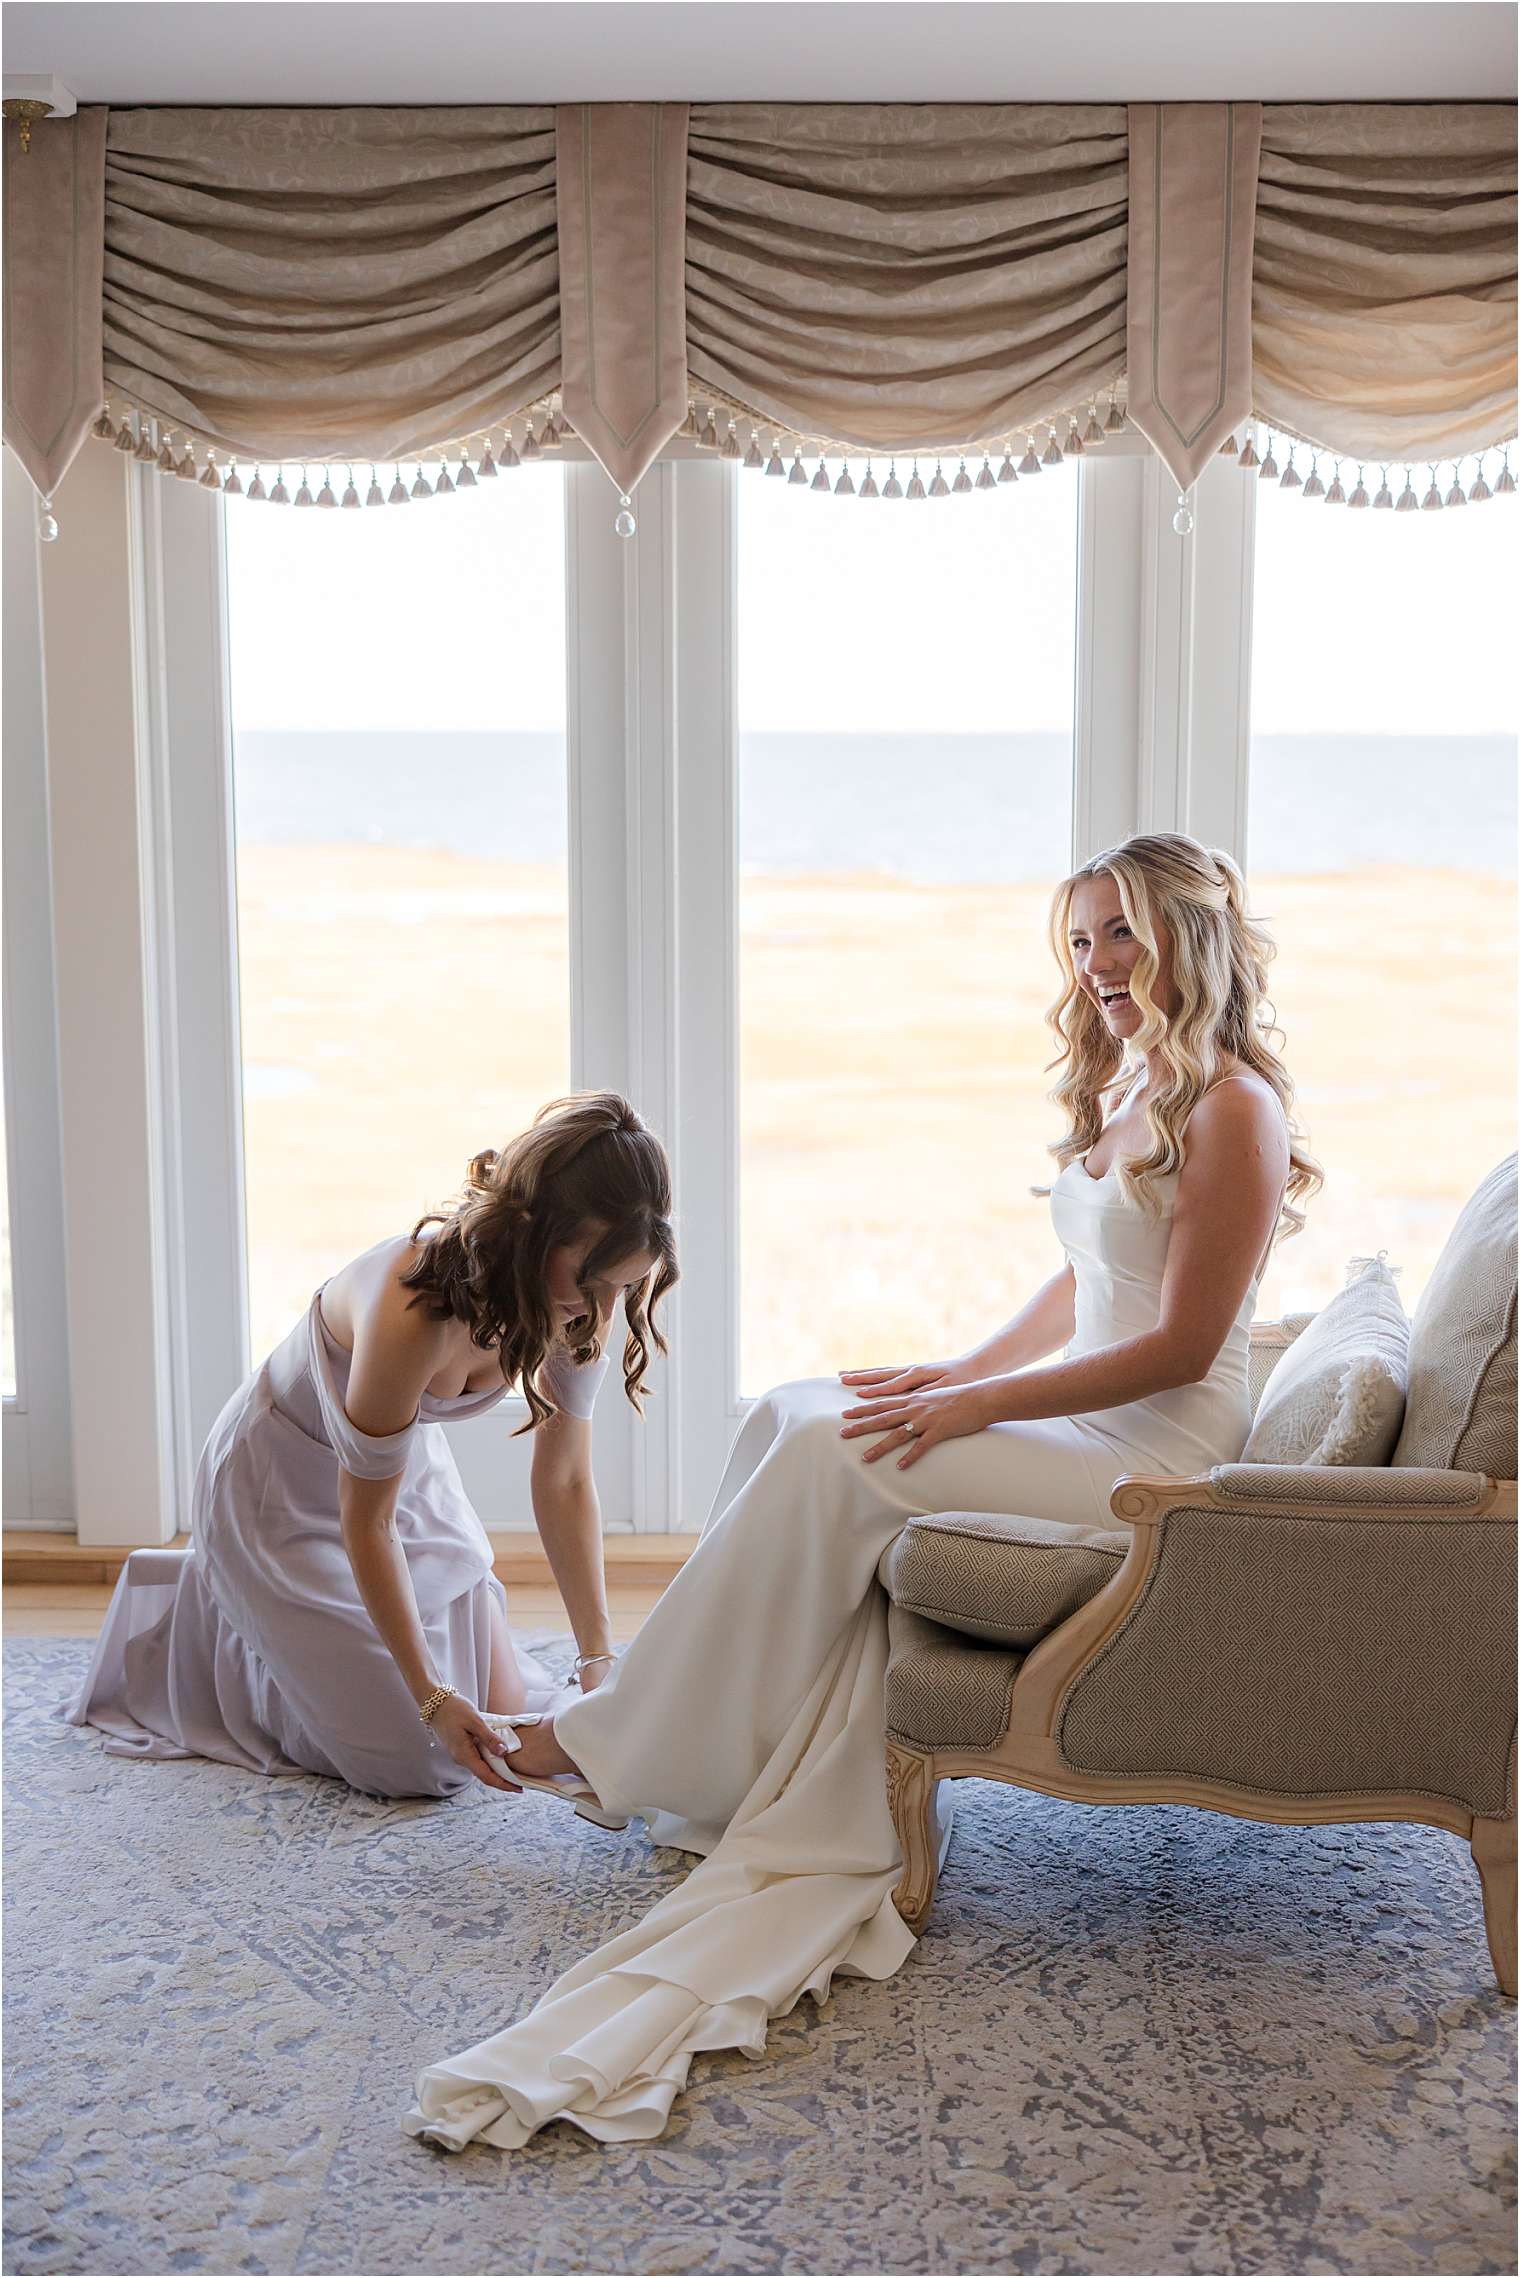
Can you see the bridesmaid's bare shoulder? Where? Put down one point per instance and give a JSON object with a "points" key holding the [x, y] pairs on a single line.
{"points": [[365, 1302]]}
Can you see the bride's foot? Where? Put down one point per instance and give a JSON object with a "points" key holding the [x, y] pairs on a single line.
{"points": [[542, 1767], [539, 1753]]}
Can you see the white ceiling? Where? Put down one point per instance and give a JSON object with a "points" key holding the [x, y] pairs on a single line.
{"points": [[396, 51]]}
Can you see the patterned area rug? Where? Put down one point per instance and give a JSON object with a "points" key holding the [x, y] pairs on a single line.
{"points": [[1130, 2040]]}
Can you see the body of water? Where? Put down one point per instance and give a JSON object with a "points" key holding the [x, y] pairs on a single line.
{"points": [[938, 809]]}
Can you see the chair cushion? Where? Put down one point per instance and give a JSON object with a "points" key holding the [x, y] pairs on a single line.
{"points": [[1337, 1394], [943, 1691], [1007, 1579], [1460, 1412]]}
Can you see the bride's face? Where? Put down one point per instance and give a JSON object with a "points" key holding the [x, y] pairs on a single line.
{"points": [[567, 1301], [1105, 954]]}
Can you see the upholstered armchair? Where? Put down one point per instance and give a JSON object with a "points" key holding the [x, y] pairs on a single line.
{"points": [[1292, 1643]]}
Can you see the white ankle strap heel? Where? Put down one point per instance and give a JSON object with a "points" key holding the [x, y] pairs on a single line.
{"points": [[568, 1786]]}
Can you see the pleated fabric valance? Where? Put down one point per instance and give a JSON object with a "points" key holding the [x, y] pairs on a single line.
{"points": [[1383, 304], [307, 284], [372, 285], [906, 277]]}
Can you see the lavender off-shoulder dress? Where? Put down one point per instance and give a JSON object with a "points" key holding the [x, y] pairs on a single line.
{"points": [[254, 1647]]}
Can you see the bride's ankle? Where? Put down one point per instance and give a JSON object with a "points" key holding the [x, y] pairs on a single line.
{"points": [[541, 1755]]}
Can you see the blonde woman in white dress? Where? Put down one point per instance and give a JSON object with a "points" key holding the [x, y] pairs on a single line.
{"points": [[745, 1723]]}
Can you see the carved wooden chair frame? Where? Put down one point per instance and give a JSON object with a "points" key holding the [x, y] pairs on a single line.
{"points": [[1029, 1753]]}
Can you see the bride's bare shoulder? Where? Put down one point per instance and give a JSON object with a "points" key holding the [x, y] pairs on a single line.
{"points": [[1239, 1116]]}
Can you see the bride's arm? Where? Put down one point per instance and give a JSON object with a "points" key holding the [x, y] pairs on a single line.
{"points": [[1228, 1198], [1042, 1326]]}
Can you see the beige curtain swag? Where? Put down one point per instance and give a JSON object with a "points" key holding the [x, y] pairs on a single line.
{"points": [[1384, 297], [905, 277], [338, 286]]}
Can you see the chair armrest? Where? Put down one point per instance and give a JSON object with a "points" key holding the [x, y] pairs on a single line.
{"points": [[1354, 1635], [1375, 1490], [1343, 1491]]}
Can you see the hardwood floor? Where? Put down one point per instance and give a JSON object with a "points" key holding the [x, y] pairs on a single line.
{"points": [[53, 1588], [62, 1609]]}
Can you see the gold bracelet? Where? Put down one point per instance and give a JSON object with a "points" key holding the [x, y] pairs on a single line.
{"points": [[584, 1660], [435, 1701]]}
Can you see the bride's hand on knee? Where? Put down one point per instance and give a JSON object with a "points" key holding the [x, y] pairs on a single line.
{"points": [[896, 1383], [911, 1426]]}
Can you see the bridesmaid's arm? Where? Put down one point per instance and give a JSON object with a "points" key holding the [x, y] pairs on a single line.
{"points": [[569, 1520], [396, 1352], [367, 1514]]}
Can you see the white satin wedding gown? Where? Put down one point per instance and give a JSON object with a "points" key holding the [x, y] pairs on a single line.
{"points": [[745, 1721]]}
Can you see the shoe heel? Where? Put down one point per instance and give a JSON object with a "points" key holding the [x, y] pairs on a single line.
{"points": [[599, 1818]]}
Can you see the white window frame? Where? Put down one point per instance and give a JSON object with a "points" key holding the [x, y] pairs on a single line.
{"points": [[38, 1469], [1161, 741]]}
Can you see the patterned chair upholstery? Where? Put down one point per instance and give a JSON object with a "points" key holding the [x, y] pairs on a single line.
{"points": [[1286, 1643]]}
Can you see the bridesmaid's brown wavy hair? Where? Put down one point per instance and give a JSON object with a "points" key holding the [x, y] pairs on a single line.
{"points": [[587, 1168]]}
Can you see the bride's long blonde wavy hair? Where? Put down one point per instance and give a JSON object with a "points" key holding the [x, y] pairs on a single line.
{"points": [[1219, 960], [586, 1166]]}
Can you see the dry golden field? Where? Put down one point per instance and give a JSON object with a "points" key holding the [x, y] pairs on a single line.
{"points": [[404, 1007]]}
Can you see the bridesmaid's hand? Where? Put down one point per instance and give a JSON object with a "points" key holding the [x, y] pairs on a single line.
{"points": [[466, 1735], [896, 1383], [944, 1412]]}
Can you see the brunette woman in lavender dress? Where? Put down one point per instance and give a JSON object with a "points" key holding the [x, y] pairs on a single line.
{"points": [[339, 1613]]}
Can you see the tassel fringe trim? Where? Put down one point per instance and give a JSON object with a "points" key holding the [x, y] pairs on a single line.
{"points": [[725, 428]]}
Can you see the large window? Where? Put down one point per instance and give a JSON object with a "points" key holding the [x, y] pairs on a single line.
{"points": [[905, 706], [825, 980], [398, 682], [1382, 854]]}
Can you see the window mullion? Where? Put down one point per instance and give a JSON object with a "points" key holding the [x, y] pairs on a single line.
{"points": [[1110, 631], [707, 875], [1192, 725], [1219, 656], [39, 1488], [190, 910]]}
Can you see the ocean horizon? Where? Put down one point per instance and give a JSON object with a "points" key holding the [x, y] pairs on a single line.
{"points": [[932, 809]]}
